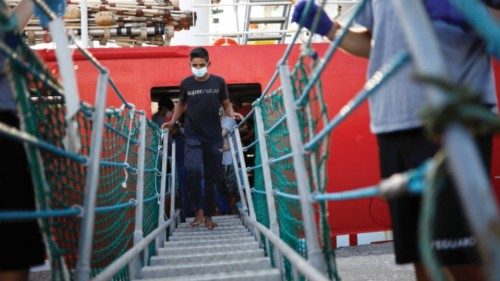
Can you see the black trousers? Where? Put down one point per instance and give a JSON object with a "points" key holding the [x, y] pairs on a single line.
{"points": [[452, 238], [21, 244], [202, 162]]}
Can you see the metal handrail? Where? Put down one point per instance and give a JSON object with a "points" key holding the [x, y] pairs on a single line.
{"points": [[117, 265], [297, 261]]}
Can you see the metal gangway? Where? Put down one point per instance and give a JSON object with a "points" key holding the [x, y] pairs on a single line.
{"points": [[124, 172]]}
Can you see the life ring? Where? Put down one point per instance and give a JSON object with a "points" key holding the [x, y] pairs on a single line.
{"points": [[225, 41]]}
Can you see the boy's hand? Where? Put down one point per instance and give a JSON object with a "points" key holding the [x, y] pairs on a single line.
{"points": [[324, 23]]}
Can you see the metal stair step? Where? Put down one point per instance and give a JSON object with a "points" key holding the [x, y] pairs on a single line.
{"points": [[207, 257], [211, 236], [220, 223], [192, 243], [207, 268], [220, 218], [268, 1], [268, 20], [250, 275], [208, 249], [215, 231], [202, 228]]}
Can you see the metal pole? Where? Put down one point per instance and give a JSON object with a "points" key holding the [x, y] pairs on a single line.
{"points": [[92, 181], [314, 253], [268, 181], [474, 188], [163, 184], [246, 183], [84, 23], [139, 209], [246, 22], [236, 171], [172, 187]]}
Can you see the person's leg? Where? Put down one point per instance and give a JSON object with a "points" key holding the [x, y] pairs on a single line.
{"points": [[454, 242], [15, 275], [212, 159], [21, 243], [399, 152], [232, 187], [193, 162]]}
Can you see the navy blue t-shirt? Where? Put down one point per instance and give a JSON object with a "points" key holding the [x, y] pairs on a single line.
{"points": [[203, 99]]}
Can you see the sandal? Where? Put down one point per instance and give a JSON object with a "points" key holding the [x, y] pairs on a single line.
{"points": [[210, 224], [196, 222]]}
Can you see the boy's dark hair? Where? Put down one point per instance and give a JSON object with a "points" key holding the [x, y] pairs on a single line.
{"points": [[166, 103], [199, 52]]}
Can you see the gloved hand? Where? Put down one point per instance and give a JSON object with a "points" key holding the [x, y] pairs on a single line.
{"points": [[324, 24]]}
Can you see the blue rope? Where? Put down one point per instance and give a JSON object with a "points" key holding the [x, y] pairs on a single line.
{"points": [[75, 211], [254, 167], [253, 190], [108, 126], [286, 195], [17, 135], [250, 145], [281, 158], [33, 215], [360, 193], [279, 122], [371, 86]]}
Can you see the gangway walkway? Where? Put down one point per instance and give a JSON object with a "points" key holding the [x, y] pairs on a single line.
{"points": [[228, 252], [101, 175]]}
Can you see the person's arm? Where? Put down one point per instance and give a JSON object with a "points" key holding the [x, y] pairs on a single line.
{"points": [[23, 12], [228, 108], [225, 132], [179, 109], [495, 13], [355, 42]]}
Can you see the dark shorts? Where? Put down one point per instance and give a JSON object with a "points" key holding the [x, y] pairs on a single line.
{"points": [[452, 240], [21, 243], [227, 179]]}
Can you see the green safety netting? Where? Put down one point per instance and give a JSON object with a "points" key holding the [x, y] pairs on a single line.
{"points": [[312, 118], [60, 178]]}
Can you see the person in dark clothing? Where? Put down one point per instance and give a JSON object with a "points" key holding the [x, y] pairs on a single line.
{"points": [[21, 242], [164, 113], [201, 95]]}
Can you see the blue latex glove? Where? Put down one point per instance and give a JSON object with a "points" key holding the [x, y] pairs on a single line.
{"points": [[57, 6], [444, 11], [324, 24]]}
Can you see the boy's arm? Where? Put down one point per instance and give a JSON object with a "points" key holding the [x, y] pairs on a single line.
{"points": [[179, 109], [228, 108]]}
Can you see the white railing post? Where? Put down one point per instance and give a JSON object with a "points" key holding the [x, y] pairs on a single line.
{"points": [[173, 172], [139, 209], [84, 23], [161, 213], [246, 183], [92, 181], [314, 253], [268, 182], [473, 186], [236, 170]]}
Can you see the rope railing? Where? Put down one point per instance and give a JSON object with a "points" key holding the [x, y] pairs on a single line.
{"points": [[111, 159], [314, 134]]}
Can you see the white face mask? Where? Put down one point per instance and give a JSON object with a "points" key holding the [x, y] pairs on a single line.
{"points": [[199, 72]]}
